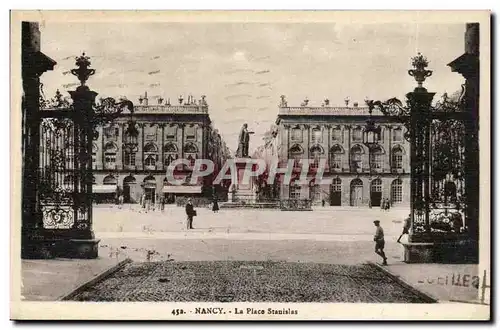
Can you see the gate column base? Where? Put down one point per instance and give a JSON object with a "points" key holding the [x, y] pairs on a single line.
{"points": [[83, 248]]}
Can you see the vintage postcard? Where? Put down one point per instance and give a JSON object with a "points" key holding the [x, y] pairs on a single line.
{"points": [[250, 165]]}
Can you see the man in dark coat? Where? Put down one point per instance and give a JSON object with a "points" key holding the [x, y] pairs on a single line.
{"points": [[190, 212]]}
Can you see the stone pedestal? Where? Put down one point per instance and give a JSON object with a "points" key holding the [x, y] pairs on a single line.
{"points": [[243, 192]]}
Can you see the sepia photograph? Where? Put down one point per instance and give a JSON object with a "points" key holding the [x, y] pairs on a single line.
{"points": [[196, 165]]}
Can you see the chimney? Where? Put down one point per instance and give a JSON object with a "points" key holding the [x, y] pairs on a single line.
{"points": [[160, 100], [145, 98], [180, 100]]}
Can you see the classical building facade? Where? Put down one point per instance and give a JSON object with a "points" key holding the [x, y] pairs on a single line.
{"points": [[359, 175], [164, 133]]}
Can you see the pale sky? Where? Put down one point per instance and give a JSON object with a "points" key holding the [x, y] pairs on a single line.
{"points": [[243, 68]]}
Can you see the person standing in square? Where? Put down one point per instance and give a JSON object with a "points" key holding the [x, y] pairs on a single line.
{"points": [[190, 213], [379, 241]]}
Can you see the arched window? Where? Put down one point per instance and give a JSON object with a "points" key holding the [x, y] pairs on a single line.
{"points": [[397, 158], [356, 158], [170, 154], [191, 153], [316, 152], [110, 150], [336, 157], [396, 191], [109, 180], [376, 158], [296, 152], [150, 155]]}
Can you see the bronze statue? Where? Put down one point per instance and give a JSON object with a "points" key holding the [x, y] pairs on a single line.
{"points": [[243, 141]]}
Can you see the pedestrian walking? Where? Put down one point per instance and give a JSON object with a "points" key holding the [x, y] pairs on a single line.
{"points": [[190, 213], [120, 201], [382, 204], [406, 227], [379, 241], [162, 203], [323, 203], [387, 204], [215, 206]]}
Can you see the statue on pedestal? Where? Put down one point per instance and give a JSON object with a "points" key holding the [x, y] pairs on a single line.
{"points": [[243, 142]]}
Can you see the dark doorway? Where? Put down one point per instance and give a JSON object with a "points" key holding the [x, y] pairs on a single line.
{"points": [[336, 192], [376, 192]]}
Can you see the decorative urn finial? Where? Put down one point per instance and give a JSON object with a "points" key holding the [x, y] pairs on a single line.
{"points": [[419, 72], [83, 72]]}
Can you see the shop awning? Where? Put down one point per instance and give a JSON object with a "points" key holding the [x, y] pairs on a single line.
{"points": [[103, 189], [182, 189]]}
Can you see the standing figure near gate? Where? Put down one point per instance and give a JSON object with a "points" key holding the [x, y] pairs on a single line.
{"points": [[243, 141]]}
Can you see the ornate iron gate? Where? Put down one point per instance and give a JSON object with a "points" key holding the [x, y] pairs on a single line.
{"points": [[66, 128]]}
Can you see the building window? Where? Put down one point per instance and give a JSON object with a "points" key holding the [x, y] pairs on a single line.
{"points": [[376, 158], [356, 158], [191, 153], [110, 180], [170, 154], [111, 132], [296, 134], [377, 185], [397, 135], [93, 180], [337, 184], [397, 158], [296, 154], [171, 133], [129, 158], [110, 150], [150, 132], [190, 132], [357, 134], [316, 153], [336, 157], [94, 155], [295, 191], [337, 135], [314, 192], [150, 155], [150, 161], [396, 191], [316, 136]]}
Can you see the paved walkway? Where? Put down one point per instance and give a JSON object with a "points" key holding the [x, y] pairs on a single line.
{"points": [[50, 280], [328, 220]]}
